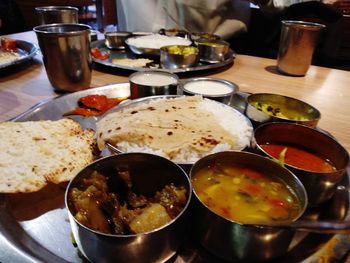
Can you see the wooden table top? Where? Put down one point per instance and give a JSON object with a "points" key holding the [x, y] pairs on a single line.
{"points": [[325, 88]]}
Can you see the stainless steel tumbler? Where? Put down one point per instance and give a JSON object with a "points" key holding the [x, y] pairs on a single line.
{"points": [[66, 54], [57, 14], [296, 48]]}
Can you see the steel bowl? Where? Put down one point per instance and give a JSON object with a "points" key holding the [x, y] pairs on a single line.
{"points": [[238, 242], [152, 83], [57, 14], [178, 56], [194, 36], [212, 51], [320, 186], [298, 111], [149, 173], [212, 88], [116, 40]]}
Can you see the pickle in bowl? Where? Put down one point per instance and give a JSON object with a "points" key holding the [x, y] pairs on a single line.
{"points": [[178, 56]]}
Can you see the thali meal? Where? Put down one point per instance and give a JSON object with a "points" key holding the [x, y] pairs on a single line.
{"points": [[299, 158], [35, 153], [245, 195], [122, 211], [94, 105], [156, 41], [182, 129]]}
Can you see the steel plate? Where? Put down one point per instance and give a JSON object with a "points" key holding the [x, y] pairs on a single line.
{"points": [[35, 228], [126, 53], [26, 50]]}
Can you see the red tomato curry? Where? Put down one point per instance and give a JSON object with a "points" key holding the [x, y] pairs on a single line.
{"points": [[299, 158]]}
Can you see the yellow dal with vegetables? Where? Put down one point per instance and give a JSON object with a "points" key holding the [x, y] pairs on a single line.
{"points": [[245, 195]]}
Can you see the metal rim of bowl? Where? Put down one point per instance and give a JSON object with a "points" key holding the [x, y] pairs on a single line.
{"points": [[78, 28], [56, 8]]}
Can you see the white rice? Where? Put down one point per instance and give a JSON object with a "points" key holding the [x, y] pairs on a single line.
{"points": [[156, 41], [231, 120]]}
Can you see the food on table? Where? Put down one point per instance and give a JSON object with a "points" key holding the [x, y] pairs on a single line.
{"points": [[245, 195], [8, 50], [138, 62], [94, 105], [181, 50], [156, 41], [280, 110], [35, 153], [153, 78], [203, 35], [96, 53], [173, 32], [208, 87], [122, 211], [299, 158], [213, 44], [182, 129], [8, 44]]}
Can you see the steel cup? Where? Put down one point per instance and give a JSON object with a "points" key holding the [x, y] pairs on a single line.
{"points": [[57, 14], [66, 54], [296, 48]]}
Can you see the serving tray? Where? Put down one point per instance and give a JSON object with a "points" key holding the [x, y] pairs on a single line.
{"points": [[126, 53], [26, 51], [35, 228]]}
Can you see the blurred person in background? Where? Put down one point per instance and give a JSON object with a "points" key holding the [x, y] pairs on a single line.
{"points": [[226, 18], [251, 26]]}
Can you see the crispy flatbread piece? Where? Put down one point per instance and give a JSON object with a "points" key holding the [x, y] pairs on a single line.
{"points": [[34, 153]]}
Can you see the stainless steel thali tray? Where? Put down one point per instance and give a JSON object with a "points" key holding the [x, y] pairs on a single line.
{"points": [[35, 228], [125, 53], [26, 51]]}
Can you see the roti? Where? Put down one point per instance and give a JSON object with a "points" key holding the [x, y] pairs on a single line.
{"points": [[179, 128], [34, 153]]}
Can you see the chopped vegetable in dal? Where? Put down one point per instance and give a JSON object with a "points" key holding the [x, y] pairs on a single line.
{"points": [[245, 195]]}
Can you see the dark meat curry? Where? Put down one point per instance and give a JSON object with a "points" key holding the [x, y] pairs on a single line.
{"points": [[96, 206]]}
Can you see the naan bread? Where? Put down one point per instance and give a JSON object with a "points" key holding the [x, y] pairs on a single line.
{"points": [[170, 125], [34, 153]]}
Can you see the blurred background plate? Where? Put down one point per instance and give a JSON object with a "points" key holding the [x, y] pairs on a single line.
{"points": [[128, 54], [26, 50]]}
